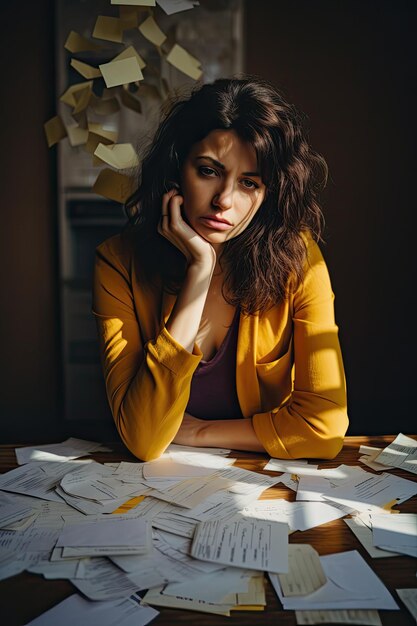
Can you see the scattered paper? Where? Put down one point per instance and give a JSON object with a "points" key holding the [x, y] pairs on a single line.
{"points": [[372, 490], [253, 544], [353, 616], [77, 610], [351, 584], [305, 572], [364, 535], [395, 532], [402, 452], [409, 597], [68, 450], [157, 597]]}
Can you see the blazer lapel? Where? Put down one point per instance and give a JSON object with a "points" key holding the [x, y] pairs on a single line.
{"points": [[246, 378]]}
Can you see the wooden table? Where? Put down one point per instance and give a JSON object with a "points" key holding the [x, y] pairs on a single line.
{"points": [[26, 596]]}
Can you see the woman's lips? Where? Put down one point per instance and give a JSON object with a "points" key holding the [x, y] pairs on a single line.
{"points": [[215, 224]]}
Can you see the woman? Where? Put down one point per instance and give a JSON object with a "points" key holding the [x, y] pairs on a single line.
{"points": [[214, 308]]}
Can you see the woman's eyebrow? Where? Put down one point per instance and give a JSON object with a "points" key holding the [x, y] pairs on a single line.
{"points": [[222, 166]]}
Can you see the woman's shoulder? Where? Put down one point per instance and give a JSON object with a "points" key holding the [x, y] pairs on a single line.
{"points": [[117, 249]]}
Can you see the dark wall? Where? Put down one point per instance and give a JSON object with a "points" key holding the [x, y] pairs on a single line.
{"points": [[351, 67], [30, 387]]}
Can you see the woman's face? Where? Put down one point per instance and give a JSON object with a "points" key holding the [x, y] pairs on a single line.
{"points": [[221, 185]]}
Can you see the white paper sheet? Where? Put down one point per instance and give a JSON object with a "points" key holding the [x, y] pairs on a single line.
{"points": [[364, 535], [114, 531], [76, 610], [68, 450], [305, 572], [351, 584], [395, 532], [190, 493], [353, 616], [372, 490], [211, 587], [252, 544], [105, 582], [409, 597], [402, 452]]}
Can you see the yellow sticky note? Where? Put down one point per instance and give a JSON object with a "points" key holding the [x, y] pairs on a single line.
{"points": [[388, 506], [82, 99], [121, 156], [77, 43], [97, 134], [151, 31], [88, 71], [114, 185], [69, 96], [108, 28], [128, 53], [54, 130], [127, 506], [184, 61], [77, 136], [121, 72], [135, 3]]}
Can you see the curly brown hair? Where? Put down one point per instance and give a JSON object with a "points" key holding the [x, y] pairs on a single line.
{"points": [[264, 261]]}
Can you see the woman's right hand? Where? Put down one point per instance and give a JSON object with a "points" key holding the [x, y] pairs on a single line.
{"points": [[173, 227]]}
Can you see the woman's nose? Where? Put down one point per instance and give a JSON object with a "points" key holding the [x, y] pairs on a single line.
{"points": [[224, 197]]}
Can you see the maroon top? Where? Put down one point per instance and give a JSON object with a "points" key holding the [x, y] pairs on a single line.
{"points": [[213, 386]]}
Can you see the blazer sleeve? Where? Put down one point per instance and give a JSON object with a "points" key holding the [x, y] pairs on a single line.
{"points": [[147, 384], [314, 421]]}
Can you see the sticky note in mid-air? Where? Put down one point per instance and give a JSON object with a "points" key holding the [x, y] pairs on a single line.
{"points": [[78, 43], [184, 61], [121, 72], [54, 130], [120, 156], [114, 185], [109, 28], [130, 52], [151, 31], [88, 71]]}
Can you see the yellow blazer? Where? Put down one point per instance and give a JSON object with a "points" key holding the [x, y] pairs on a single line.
{"points": [[289, 371]]}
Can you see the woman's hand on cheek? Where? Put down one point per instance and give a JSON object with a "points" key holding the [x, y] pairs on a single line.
{"points": [[190, 431], [173, 227]]}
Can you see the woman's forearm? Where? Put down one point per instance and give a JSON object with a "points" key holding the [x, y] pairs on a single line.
{"points": [[185, 318], [237, 434]]}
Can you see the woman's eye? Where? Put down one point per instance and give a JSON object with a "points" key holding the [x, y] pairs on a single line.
{"points": [[207, 171], [249, 184]]}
